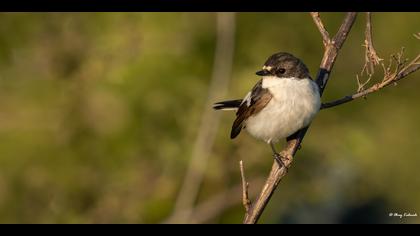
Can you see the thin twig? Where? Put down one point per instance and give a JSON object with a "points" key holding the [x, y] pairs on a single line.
{"points": [[324, 33], [276, 174], [245, 185], [361, 85], [371, 57], [389, 78]]}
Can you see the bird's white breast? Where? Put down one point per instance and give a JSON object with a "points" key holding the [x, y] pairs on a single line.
{"points": [[294, 104]]}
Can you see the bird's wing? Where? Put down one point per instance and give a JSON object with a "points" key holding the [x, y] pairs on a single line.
{"points": [[228, 105], [253, 103]]}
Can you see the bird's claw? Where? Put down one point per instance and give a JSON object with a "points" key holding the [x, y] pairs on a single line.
{"points": [[279, 159]]}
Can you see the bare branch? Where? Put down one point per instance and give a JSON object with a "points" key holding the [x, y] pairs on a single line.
{"points": [[276, 174], [389, 78], [371, 57], [324, 33], [361, 85], [344, 30], [401, 69], [331, 52], [270, 185], [245, 199]]}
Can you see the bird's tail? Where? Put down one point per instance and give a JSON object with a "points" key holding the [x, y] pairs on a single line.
{"points": [[227, 105]]}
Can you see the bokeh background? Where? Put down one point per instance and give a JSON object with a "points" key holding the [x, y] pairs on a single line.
{"points": [[102, 113]]}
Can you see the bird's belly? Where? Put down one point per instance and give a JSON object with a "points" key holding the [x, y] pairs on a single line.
{"points": [[285, 114], [275, 122]]}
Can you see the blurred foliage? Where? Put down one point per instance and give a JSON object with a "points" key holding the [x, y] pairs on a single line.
{"points": [[98, 113]]}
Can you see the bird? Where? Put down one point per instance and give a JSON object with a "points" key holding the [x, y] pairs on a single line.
{"points": [[285, 100]]}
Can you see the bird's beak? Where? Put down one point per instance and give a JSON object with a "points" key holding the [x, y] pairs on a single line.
{"points": [[263, 72]]}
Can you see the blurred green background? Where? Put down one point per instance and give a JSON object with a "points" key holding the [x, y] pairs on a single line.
{"points": [[99, 113]]}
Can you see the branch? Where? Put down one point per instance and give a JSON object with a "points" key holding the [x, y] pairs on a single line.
{"points": [[413, 66], [276, 174], [324, 33], [331, 51], [371, 57], [372, 60], [245, 198]]}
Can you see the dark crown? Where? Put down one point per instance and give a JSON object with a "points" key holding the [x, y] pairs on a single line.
{"points": [[283, 65]]}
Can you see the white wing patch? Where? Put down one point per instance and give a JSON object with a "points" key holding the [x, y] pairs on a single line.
{"points": [[247, 99]]}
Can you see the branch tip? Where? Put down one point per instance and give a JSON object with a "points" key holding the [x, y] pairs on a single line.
{"points": [[245, 185]]}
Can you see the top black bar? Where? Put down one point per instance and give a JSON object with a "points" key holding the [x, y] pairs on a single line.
{"points": [[210, 5]]}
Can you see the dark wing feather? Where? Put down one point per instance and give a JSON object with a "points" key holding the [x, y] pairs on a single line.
{"points": [[251, 105], [231, 104]]}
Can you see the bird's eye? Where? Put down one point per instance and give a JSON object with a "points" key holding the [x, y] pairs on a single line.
{"points": [[282, 70]]}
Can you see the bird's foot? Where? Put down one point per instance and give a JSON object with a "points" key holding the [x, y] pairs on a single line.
{"points": [[279, 159]]}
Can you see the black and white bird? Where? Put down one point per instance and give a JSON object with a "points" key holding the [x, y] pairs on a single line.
{"points": [[285, 100]]}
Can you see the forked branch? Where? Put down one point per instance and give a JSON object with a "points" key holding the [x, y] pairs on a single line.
{"points": [[324, 33], [397, 69]]}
